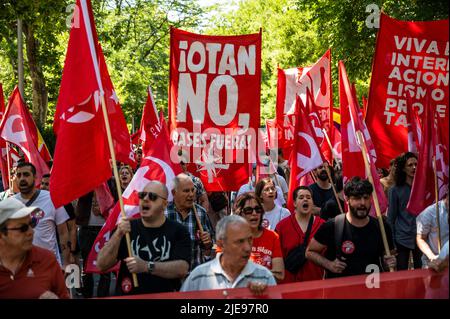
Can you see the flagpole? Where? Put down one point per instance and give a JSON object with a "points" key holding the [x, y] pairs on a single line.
{"points": [[334, 188], [200, 227], [436, 193], [8, 159], [375, 196], [116, 178], [313, 177]]}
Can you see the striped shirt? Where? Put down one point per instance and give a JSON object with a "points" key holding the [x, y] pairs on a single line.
{"points": [[212, 276], [190, 223]]}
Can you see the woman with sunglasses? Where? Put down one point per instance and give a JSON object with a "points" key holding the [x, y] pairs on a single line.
{"points": [[266, 191], [292, 232], [266, 250]]}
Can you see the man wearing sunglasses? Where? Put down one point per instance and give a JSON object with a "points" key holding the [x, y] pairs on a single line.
{"points": [[49, 220], [161, 248], [26, 271], [182, 211]]}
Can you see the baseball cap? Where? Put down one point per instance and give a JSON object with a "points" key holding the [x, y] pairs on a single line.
{"points": [[12, 208]]}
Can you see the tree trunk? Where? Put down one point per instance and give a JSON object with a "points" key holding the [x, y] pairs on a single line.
{"points": [[40, 94]]}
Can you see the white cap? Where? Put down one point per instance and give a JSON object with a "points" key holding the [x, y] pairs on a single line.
{"points": [[12, 208]]}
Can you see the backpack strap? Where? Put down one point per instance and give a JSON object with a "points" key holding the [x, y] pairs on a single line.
{"points": [[339, 222]]}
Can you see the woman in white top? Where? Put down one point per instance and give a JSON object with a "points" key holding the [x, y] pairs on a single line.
{"points": [[273, 214]]}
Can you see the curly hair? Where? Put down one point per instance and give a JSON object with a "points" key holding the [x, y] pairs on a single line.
{"points": [[400, 163]]}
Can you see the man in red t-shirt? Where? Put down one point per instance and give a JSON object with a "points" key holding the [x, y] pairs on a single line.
{"points": [[26, 271]]}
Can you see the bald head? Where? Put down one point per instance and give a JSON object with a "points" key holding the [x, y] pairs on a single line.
{"points": [[158, 188]]}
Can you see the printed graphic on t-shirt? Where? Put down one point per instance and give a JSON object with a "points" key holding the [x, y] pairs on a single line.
{"points": [[348, 247], [262, 256], [37, 215], [158, 250]]}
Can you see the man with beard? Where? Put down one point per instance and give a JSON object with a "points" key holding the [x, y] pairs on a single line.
{"points": [[322, 190], [160, 247], [359, 244], [49, 219]]}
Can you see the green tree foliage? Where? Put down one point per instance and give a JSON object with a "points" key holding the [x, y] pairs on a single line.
{"points": [[288, 39]]}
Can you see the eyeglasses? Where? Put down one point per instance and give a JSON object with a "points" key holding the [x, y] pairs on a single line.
{"points": [[151, 196], [249, 210], [24, 228]]}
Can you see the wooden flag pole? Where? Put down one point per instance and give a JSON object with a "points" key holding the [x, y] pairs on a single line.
{"points": [[199, 224], [375, 196], [116, 178], [332, 186], [8, 159], [436, 193], [313, 176]]}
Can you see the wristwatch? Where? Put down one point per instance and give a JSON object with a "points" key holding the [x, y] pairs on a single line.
{"points": [[150, 267]]}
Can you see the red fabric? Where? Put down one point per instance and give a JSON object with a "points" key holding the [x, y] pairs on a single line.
{"points": [[423, 187], [150, 122], [214, 92], [81, 144], [297, 81], [352, 154], [426, 42], [291, 235], [407, 284], [264, 248], [3, 157], [306, 155], [40, 272], [319, 127], [156, 165], [414, 130], [16, 130]]}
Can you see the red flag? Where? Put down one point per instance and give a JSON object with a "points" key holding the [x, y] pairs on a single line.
{"points": [[3, 149], [14, 129], [214, 104], [306, 155], [318, 127], [364, 103], [423, 187], [411, 57], [296, 81], [352, 122], [156, 165], [414, 130], [150, 122], [81, 144]]}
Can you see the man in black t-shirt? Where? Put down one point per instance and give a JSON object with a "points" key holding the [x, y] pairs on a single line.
{"points": [[322, 190], [161, 247], [360, 243]]}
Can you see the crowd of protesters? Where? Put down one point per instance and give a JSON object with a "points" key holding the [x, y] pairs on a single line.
{"points": [[202, 240]]}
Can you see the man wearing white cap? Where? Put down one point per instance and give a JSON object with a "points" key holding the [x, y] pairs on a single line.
{"points": [[26, 271]]}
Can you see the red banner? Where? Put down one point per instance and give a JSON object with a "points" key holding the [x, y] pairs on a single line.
{"points": [[297, 81], [411, 60], [214, 104], [407, 284]]}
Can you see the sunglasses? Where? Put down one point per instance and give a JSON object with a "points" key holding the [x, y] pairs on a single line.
{"points": [[151, 196], [249, 210], [24, 228]]}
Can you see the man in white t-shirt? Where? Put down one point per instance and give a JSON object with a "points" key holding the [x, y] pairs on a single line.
{"points": [[49, 219]]}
